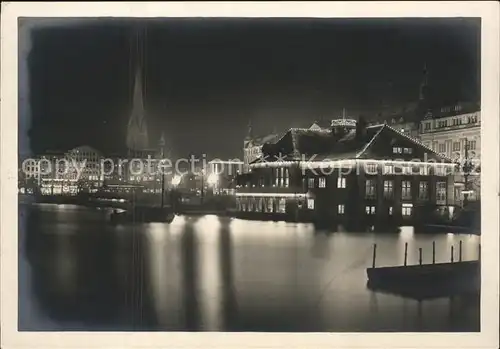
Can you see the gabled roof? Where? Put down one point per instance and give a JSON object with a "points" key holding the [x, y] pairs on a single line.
{"points": [[387, 130], [320, 145]]}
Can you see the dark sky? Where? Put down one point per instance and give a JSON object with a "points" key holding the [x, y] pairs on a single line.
{"points": [[206, 78]]}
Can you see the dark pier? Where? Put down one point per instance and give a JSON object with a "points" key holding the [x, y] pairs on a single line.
{"points": [[425, 281]]}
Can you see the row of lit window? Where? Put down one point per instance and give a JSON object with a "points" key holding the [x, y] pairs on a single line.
{"points": [[341, 182], [261, 205], [457, 121], [370, 210], [441, 147], [144, 178], [423, 190], [400, 150], [406, 210]]}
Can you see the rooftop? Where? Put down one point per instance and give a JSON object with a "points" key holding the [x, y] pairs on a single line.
{"points": [[351, 144]]}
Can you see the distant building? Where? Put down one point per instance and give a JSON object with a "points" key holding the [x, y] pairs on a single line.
{"points": [[252, 146], [36, 169], [77, 170], [448, 130], [354, 174], [221, 176], [455, 132]]}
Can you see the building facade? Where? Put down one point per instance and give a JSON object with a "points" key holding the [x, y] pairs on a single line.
{"points": [[354, 175], [456, 133]]}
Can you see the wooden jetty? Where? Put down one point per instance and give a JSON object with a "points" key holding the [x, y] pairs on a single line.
{"points": [[424, 281]]}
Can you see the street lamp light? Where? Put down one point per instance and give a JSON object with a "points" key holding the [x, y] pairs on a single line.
{"points": [[212, 179], [176, 180]]}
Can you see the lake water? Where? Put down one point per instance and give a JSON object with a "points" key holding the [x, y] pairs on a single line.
{"points": [[76, 272]]}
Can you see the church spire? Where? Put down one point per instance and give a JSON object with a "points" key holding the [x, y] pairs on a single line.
{"points": [[137, 132], [138, 97]]}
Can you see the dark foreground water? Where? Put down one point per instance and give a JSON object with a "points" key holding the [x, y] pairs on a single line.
{"points": [[216, 274]]}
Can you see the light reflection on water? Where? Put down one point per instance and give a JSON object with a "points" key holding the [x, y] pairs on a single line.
{"points": [[209, 273]]}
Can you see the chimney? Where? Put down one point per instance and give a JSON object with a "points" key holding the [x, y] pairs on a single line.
{"points": [[361, 128]]}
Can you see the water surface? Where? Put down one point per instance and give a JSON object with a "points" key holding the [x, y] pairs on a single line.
{"points": [[76, 272]]}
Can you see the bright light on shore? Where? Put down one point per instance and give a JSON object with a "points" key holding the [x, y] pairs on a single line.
{"points": [[212, 179], [176, 180]]}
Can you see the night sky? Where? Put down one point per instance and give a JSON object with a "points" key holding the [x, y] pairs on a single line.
{"points": [[206, 78]]}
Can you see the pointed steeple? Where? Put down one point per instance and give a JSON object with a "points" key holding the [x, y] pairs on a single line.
{"points": [[137, 132], [138, 98]]}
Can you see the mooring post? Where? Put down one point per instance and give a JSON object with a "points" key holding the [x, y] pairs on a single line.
{"points": [[433, 252], [452, 254], [420, 256], [460, 251], [374, 255], [406, 253]]}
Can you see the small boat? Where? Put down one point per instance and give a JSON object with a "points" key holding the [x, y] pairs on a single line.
{"points": [[141, 214]]}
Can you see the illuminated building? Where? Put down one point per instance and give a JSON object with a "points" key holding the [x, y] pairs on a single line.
{"points": [[456, 133], [353, 174], [252, 146], [73, 172], [221, 175]]}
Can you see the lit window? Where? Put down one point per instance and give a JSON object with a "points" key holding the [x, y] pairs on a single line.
{"points": [[322, 182], [423, 190], [370, 210], [441, 192], [341, 209], [423, 170], [270, 205], [341, 182], [370, 188], [371, 169], [310, 204], [388, 189], [388, 169], [261, 207], [406, 190], [408, 150], [310, 183], [390, 210], [282, 206], [397, 150], [406, 210]]}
